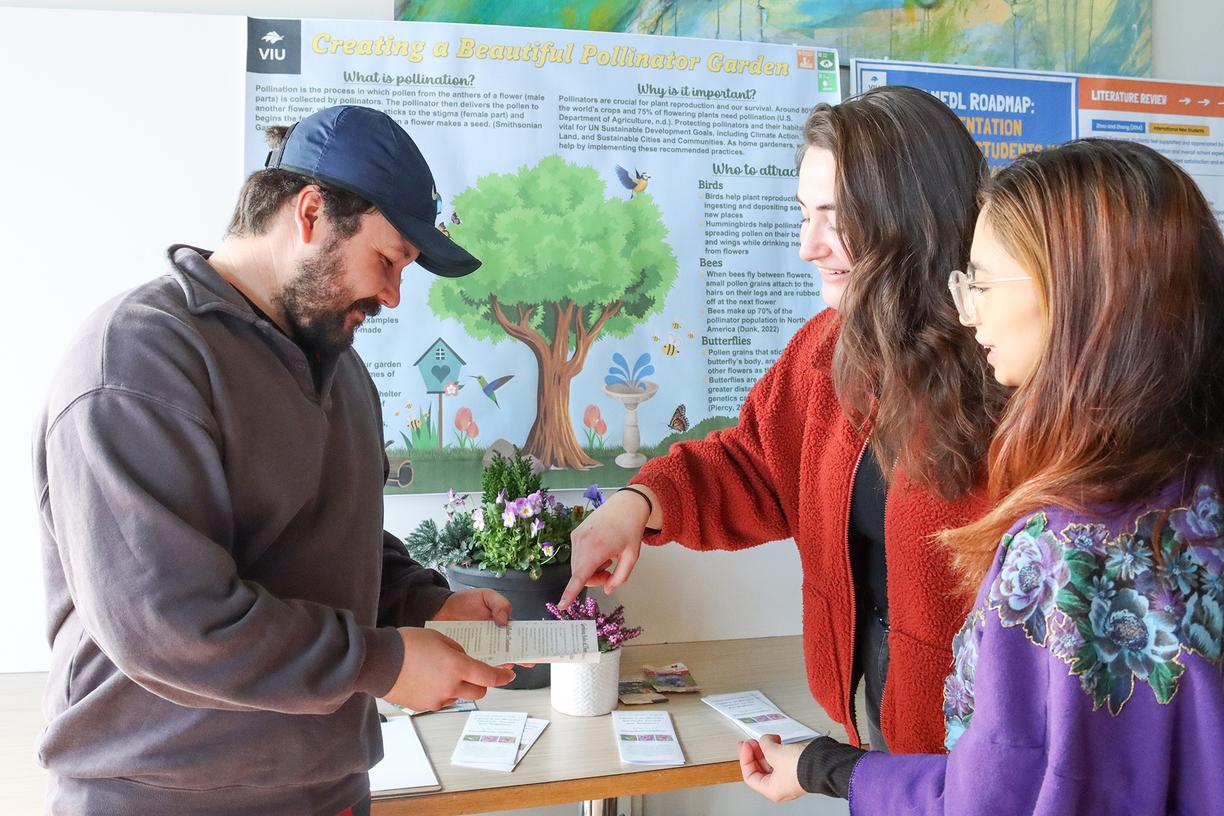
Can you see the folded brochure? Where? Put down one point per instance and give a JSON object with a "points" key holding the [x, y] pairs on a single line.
{"points": [[757, 715], [646, 738], [524, 641]]}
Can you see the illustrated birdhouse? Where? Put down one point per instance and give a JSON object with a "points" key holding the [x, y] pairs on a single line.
{"points": [[439, 366]]}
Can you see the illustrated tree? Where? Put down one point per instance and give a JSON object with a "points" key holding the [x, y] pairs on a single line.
{"points": [[563, 264]]}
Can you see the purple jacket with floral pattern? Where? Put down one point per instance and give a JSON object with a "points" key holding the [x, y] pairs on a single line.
{"points": [[1087, 679]]}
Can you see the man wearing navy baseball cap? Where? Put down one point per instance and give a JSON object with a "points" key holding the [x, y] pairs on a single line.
{"points": [[223, 602]]}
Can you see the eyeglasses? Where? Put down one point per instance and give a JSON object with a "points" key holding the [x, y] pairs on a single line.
{"points": [[967, 293]]}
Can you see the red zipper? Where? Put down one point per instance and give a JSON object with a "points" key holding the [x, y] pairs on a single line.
{"points": [[849, 698]]}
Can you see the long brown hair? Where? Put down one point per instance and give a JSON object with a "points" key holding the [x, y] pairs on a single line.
{"points": [[908, 174], [1128, 393]]}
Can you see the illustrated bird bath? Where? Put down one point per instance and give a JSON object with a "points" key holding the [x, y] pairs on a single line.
{"points": [[631, 396]]}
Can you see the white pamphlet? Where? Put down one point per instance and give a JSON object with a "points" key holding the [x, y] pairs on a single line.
{"points": [[524, 641], [490, 739], [755, 714], [531, 732], [405, 767], [646, 738]]}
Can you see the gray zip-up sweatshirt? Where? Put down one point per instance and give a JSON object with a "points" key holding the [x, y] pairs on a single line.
{"points": [[217, 572]]}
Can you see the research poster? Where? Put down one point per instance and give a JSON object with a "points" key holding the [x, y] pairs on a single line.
{"points": [[1011, 112], [632, 199]]}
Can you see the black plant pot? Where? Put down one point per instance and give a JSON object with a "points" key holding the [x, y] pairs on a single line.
{"points": [[527, 596]]}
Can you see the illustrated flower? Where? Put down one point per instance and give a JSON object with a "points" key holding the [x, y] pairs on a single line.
{"points": [[958, 686], [1032, 573], [1088, 538], [478, 521], [1203, 520], [591, 417], [451, 389], [472, 430], [1065, 640], [1102, 587], [1202, 525], [1168, 601], [1129, 636], [1203, 625], [1181, 571], [463, 418], [593, 495], [601, 427], [1129, 556]]}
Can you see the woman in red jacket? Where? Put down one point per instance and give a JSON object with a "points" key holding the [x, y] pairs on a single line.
{"points": [[866, 437]]}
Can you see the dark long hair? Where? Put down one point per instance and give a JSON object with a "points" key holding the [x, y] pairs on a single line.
{"points": [[908, 175], [1128, 393]]}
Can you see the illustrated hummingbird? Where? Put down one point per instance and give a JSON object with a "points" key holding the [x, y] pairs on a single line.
{"points": [[635, 183], [490, 388]]}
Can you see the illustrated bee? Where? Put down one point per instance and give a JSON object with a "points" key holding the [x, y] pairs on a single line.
{"points": [[670, 348], [654, 338], [676, 324], [679, 421], [414, 423], [408, 405], [691, 335]]}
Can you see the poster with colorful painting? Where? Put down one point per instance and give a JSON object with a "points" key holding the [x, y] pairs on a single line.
{"points": [[632, 201], [1097, 36]]}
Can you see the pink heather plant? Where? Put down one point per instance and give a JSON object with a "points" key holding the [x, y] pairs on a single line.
{"points": [[610, 628]]}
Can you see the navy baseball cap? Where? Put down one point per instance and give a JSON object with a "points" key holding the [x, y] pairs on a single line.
{"points": [[364, 151]]}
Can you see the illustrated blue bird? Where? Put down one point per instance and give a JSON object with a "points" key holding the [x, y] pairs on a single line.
{"points": [[489, 388], [635, 183]]}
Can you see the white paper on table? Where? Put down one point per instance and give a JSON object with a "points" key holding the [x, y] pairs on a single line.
{"points": [[405, 766], [531, 732], [524, 641], [490, 738], [646, 738], [757, 715]]}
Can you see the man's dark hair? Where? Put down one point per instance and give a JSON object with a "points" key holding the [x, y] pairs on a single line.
{"points": [[264, 192]]}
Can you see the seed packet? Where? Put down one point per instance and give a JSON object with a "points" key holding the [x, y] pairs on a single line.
{"points": [[636, 691], [672, 678]]}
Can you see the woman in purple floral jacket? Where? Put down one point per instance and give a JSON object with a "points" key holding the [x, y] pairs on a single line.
{"points": [[1088, 677]]}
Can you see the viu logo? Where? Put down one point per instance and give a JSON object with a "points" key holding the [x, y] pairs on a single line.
{"points": [[274, 46], [269, 52]]}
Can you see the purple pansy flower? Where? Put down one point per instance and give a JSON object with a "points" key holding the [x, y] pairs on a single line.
{"points": [[593, 495], [536, 527], [508, 517], [1031, 575], [522, 508], [478, 521], [548, 549]]}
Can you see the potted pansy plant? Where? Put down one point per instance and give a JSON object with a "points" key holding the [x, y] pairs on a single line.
{"points": [[515, 539]]}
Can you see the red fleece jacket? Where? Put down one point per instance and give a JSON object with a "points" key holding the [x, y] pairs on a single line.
{"points": [[786, 470]]}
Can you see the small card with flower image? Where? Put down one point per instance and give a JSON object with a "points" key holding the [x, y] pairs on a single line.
{"points": [[490, 739], [646, 738], [753, 712], [636, 691], [672, 678]]}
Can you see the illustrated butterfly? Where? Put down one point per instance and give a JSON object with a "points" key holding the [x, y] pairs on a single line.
{"points": [[455, 218], [679, 421]]}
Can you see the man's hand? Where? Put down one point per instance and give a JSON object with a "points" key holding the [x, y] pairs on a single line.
{"points": [[771, 768], [436, 672], [475, 604], [613, 531]]}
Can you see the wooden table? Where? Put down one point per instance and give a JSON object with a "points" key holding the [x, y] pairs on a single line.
{"points": [[576, 758]]}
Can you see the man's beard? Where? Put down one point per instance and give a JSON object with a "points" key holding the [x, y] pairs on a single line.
{"points": [[316, 305]]}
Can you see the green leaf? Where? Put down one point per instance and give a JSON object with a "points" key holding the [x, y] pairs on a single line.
{"points": [[1163, 680], [1036, 525], [1071, 602]]}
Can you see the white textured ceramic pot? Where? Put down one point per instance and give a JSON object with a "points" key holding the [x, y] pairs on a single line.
{"points": [[586, 689]]}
